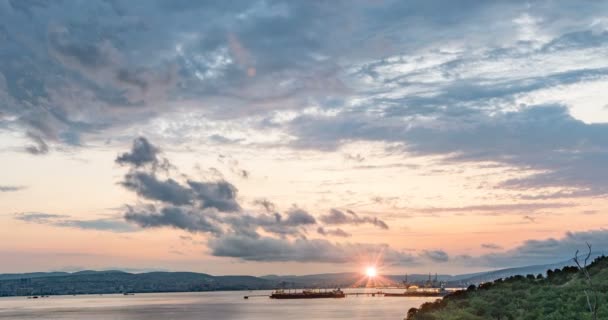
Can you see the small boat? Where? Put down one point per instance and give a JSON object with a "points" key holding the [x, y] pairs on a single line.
{"points": [[307, 294], [128, 294]]}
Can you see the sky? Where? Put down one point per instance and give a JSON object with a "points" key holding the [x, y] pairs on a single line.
{"points": [[297, 137]]}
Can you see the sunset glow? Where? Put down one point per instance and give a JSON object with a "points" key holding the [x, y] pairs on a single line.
{"points": [[371, 272], [293, 137]]}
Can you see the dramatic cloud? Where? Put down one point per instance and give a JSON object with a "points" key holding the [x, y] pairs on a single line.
{"points": [[220, 195], [112, 225], [303, 250], [212, 208], [144, 181], [196, 206], [69, 76], [568, 152], [336, 216], [527, 95], [181, 218]]}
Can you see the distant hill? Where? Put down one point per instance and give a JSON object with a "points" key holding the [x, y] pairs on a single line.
{"points": [[97, 282], [351, 278], [559, 296], [9, 276], [116, 281], [31, 275], [480, 277]]}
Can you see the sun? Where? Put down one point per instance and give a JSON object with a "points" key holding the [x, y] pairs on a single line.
{"points": [[371, 272]]}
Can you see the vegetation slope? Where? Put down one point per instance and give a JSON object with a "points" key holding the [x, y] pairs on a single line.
{"points": [[558, 296]]}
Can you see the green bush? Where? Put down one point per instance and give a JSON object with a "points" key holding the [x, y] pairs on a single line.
{"points": [[559, 296]]}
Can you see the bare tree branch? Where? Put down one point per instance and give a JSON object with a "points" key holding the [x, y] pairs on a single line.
{"points": [[589, 291]]}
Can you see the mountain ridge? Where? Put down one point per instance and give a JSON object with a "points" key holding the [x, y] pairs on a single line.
{"points": [[117, 281]]}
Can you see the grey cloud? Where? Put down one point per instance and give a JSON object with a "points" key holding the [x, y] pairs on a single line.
{"points": [[27, 6], [126, 62], [247, 224], [577, 39], [39, 146], [545, 251], [391, 165], [37, 217], [492, 246], [197, 206], [298, 217], [186, 238], [234, 166], [290, 224], [336, 216], [106, 224], [150, 187], [303, 250], [436, 255], [244, 173], [235, 234], [570, 152], [114, 225], [4, 188], [219, 139], [142, 153], [110, 54], [219, 194], [101, 62], [90, 55], [143, 180], [181, 218], [333, 232], [266, 204], [354, 157], [521, 207]]}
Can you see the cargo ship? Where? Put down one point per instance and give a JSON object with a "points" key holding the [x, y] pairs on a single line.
{"points": [[307, 294]]}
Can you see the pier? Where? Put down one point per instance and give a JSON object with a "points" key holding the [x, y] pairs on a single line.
{"points": [[356, 294], [421, 293], [369, 294]]}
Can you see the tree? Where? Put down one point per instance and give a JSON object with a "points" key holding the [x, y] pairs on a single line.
{"points": [[590, 292], [411, 313]]}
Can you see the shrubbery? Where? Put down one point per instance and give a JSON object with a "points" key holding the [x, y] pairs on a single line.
{"points": [[559, 296]]}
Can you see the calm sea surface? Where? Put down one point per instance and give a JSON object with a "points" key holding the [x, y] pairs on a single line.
{"points": [[204, 305]]}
